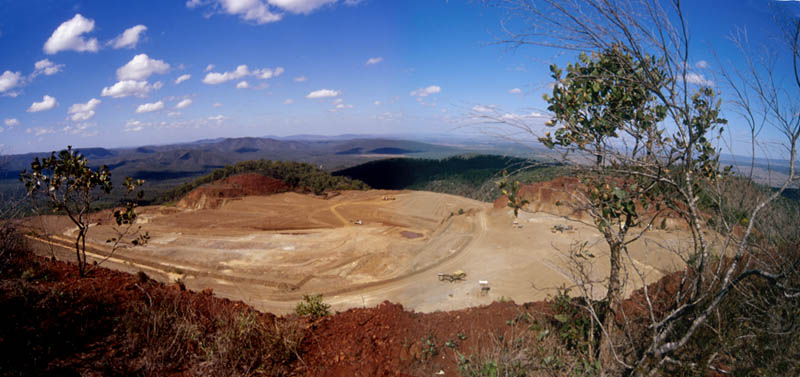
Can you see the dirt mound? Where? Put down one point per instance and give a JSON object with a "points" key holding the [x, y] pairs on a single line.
{"points": [[387, 340], [215, 194], [550, 197]]}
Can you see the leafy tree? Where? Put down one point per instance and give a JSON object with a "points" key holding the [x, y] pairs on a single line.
{"points": [[71, 187], [645, 133]]}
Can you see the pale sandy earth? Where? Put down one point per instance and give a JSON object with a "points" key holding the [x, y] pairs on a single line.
{"points": [[271, 250]]}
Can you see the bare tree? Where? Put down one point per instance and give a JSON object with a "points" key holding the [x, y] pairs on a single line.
{"points": [[632, 103]]}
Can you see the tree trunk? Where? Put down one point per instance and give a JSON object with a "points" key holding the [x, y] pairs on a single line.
{"points": [[612, 334]]}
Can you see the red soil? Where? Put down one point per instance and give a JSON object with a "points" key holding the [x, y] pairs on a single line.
{"points": [[215, 194], [382, 341], [551, 197]]}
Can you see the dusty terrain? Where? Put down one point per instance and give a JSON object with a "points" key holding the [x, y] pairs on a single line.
{"points": [[271, 250]]}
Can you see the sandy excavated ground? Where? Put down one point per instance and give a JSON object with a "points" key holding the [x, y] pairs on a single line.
{"points": [[271, 250]]}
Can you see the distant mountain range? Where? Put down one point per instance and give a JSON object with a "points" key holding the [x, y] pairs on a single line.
{"points": [[166, 165]]}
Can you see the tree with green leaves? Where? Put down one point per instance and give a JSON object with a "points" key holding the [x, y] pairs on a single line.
{"points": [[71, 187], [646, 136]]}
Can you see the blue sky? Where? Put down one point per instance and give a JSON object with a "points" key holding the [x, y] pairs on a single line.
{"points": [[124, 73]]}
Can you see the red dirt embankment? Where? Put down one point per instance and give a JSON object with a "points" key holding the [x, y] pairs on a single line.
{"points": [[550, 197], [559, 197], [215, 194]]}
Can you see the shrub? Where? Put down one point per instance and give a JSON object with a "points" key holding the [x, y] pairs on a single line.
{"points": [[312, 306]]}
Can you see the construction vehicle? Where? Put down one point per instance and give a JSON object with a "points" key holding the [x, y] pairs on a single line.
{"points": [[455, 276], [561, 228]]}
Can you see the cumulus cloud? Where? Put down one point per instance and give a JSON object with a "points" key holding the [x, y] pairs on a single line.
{"points": [[214, 78], [263, 11], [288, 101], [79, 129], [8, 81], [516, 117], [141, 67], [698, 79], [249, 10], [150, 107], [242, 85], [127, 88], [267, 73], [129, 38], [182, 78], [300, 6], [483, 109], [69, 36], [300, 79], [217, 118], [515, 91], [133, 126], [424, 92], [38, 131], [46, 104], [183, 104], [83, 111], [11, 122], [46, 67], [323, 93], [372, 61], [701, 64]]}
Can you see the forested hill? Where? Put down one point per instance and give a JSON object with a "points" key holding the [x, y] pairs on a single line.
{"points": [[472, 176], [294, 174]]}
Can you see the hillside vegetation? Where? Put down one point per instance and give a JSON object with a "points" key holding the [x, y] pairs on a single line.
{"points": [[296, 175], [471, 176]]}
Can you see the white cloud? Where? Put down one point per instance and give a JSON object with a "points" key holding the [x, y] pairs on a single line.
{"points": [[46, 67], [217, 104], [129, 38], [372, 61], [10, 80], [698, 79], [288, 101], [11, 122], [182, 78], [377, 103], [141, 67], [323, 93], [515, 91], [150, 107], [217, 118], [301, 79], [214, 78], [483, 109], [133, 126], [424, 92], [46, 104], [242, 85], [183, 104], [300, 6], [513, 116], [249, 10], [38, 131], [127, 88], [173, 113], [267, 73], [344, 106], [79, 129], [337, 101], [701, 64], [83, 111], [69, 36]]}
